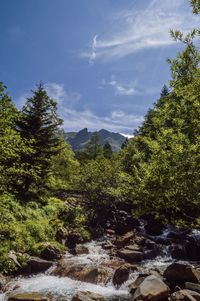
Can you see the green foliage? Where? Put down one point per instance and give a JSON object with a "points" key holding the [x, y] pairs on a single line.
{"points": [[64, 169], [105, 187], [107, 150], [164, 156], [40, 126]]}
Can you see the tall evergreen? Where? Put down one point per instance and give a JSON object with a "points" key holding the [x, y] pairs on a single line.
{"points": [[40, 126]]}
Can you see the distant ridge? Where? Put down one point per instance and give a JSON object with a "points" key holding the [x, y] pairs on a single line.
{"points": [[78, 140]]}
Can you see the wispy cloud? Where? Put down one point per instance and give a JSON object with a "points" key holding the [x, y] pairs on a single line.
{"points": [[131, 88], [119, 87], [75, 119], [133, 31]]}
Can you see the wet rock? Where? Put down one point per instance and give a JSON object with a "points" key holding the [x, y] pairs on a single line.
{"points": [[151, 289], [180, 273], [51, 253], [136, 283], [3, 282], [66, 268], [81, 249], [133, 247], [95, 275], [154, 227], [37, 265], [125, 239], [185, 295], [192, 286], [121, 275], [27, 297], [130, 256], [108, 245], [88, 296]]}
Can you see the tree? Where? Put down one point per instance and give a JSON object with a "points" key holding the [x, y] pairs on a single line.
{"points": [[164, 156], [94, 147], [107, 150], [12, 146], [40, 126]]}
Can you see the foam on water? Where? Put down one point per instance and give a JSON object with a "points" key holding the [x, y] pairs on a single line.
{"points": [[63, 287]]}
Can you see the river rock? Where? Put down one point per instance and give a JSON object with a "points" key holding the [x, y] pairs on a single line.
{"points": [[151, 289], [130, 256], [81, 249], [136, 283], [88, 296], [180, 273], [3, 282], [27, 297], [66, 268], [51, 253], [37, 265], [185, 295], [121, 275], [97, 275], [125, 239]]}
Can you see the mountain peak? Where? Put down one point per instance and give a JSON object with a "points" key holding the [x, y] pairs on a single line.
{"points": [[78, 140]]}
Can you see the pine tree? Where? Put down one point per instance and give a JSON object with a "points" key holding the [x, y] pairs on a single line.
{"points": [[40, 126]]}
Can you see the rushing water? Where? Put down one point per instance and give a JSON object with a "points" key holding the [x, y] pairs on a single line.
{"points": [[63, 288]]}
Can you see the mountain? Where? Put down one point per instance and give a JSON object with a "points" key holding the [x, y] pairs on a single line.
{"points": [[78, 140]]}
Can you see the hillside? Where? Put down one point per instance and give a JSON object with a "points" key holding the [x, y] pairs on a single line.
{"points": [[78, 140]]}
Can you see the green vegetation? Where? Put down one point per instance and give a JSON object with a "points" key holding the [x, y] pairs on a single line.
{"points": [[156, 173]]}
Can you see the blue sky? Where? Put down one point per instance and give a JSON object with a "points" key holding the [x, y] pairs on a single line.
{"points": [[104, 61]]}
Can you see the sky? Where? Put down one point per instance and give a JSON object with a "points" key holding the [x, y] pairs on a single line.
{"points": [[104, 61]]}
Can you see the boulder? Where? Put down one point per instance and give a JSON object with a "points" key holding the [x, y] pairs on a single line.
{"points": [[51, 253], [96, 275], [180, 273], [27, 297], [185, 295], [88, 296], [124, 239], [130, 256], [66, 268], [37, 265], [121, 275], [151, 289]]}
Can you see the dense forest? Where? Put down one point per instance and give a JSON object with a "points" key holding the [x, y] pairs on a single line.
{"points": [[49, 192]]}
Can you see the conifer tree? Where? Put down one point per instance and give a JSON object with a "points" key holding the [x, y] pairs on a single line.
{"points": [[40, 125]]}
